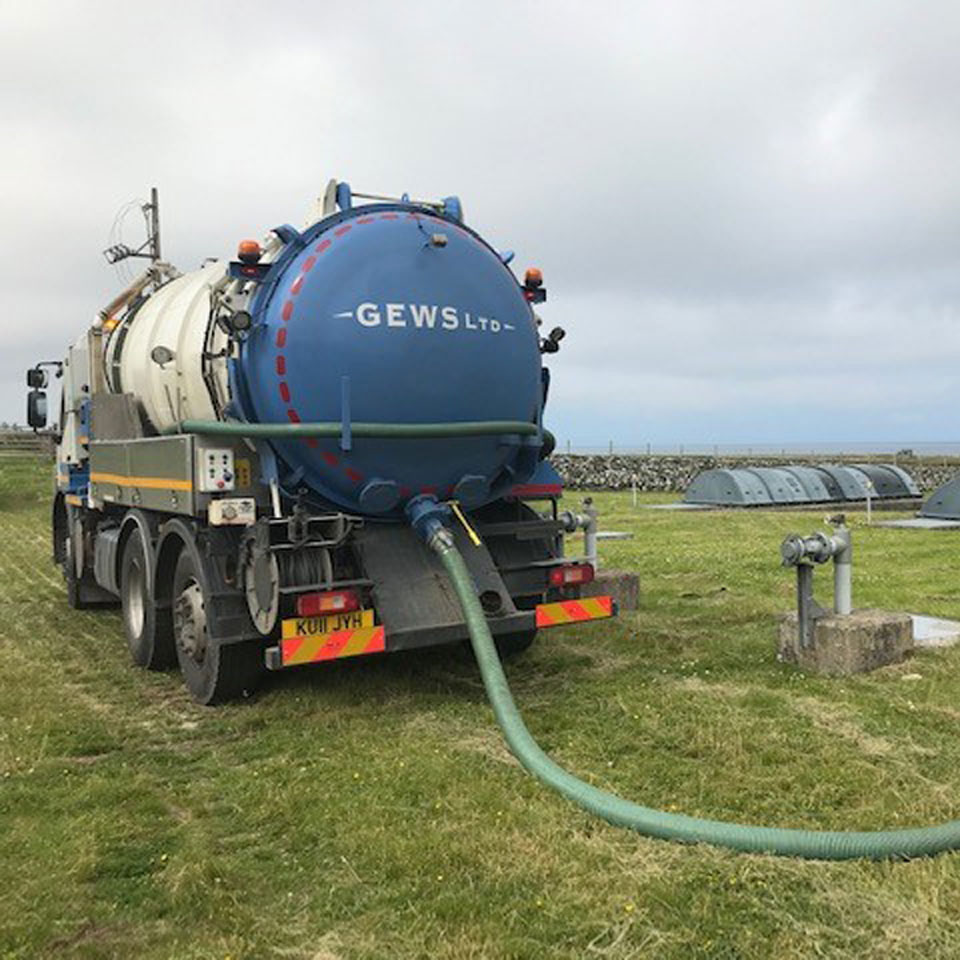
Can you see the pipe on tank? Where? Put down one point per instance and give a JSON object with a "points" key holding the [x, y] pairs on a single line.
{"points": [[392, 431]]}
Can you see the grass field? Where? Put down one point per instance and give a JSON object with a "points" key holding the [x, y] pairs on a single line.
{"points": [[370, 809]]}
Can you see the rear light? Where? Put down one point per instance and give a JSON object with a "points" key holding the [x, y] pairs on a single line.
{"points": [[332, 601], [533, 289], [572, 574]]}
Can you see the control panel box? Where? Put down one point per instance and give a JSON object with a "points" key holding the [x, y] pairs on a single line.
{"points": [[216, 470]]}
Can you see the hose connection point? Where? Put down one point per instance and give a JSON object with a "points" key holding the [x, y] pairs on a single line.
{"points": [[441, 539], [429, 518], [817, 548]]}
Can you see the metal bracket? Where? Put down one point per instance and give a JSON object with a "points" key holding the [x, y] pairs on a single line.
{"points": [[346, 433], [808, 610]]}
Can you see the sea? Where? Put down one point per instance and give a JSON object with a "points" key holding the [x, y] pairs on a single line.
{"points": [[920, 448]]}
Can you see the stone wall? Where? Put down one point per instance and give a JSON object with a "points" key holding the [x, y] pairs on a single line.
{"points": [[674, 473]]}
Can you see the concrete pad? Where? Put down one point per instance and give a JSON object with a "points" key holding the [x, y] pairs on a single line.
{"points": [[920, 523], [856, 643], [906, 503], [934, 632], [622, 585], [679, 505]]}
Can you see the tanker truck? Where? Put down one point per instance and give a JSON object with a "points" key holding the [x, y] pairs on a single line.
{"points": [[262, 459]]}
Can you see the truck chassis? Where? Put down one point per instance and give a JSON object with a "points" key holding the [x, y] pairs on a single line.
{"points": [[211, 573]]}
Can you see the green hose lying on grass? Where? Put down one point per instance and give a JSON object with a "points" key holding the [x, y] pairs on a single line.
{"points": [[810, 844]]}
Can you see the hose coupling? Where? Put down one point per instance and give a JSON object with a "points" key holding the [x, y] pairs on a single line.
{"points": [[429, 518], [440, 540]]}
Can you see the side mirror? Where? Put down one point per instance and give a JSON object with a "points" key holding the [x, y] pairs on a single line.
{"points": [[36, 378], [552, 343], [36, 409]]}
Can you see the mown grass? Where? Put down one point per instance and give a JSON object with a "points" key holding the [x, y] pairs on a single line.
{"points": [[370, 809]]}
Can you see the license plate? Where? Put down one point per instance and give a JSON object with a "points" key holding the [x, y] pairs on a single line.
{"points": [[332, 622]]}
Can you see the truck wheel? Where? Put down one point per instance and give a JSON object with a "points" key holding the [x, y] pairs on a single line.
{"points": [[212, 670], [149, 630], [513, 644]]}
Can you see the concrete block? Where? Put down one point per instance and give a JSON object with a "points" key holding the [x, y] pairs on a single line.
{"points": [[622, 585], [856, 643]]}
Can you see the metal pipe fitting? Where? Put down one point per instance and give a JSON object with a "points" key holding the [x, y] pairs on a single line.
{"points": [[803, 553], [842, 567], [588, 523], [590, 532]]}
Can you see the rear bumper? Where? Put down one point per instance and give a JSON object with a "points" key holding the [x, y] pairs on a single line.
{"points": [[297, 651]]}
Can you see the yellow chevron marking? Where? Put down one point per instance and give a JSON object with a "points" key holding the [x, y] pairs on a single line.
{"points": [[574, 611], [331, 646]]}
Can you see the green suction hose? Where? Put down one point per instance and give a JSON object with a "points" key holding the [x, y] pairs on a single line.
{"points": [[425, 517], [809, 844]]}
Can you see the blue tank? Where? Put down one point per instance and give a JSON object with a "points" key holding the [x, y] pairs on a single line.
{"points": [[389, 313]]}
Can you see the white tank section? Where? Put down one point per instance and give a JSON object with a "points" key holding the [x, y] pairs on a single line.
{"points": [[177, 317]]}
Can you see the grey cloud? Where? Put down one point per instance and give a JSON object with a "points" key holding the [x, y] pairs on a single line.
{"points": [[717, 193]]}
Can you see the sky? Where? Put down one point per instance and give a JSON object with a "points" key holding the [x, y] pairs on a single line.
{"points": [[747, 214]]}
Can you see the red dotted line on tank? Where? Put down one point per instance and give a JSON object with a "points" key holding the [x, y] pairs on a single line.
{"points": [[286, 313]]}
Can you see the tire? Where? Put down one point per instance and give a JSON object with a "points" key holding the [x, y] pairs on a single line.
{"points": [[149, 631], [213, 671], [513, 644]]}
